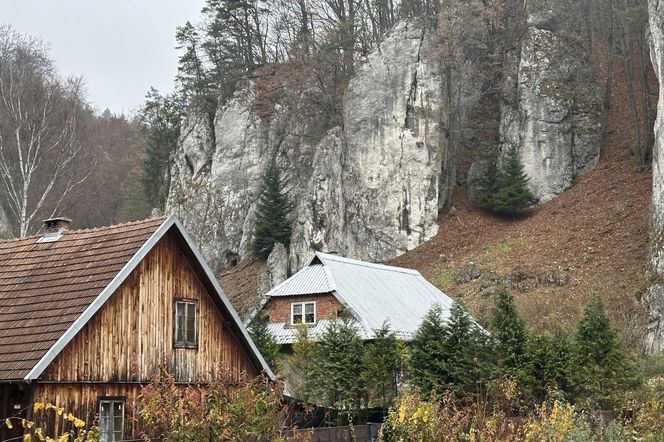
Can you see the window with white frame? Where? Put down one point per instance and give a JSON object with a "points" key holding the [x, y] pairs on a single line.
{"points": [[303, 313], [186, 324], [111, 419]]}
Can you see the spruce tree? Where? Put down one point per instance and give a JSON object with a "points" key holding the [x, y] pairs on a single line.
{"points": [[513, 194], [449, 354], [428, 359], [467, 353], [265, 342], [336, 373], [510, 338], [160, 119], [272, 215], [601, 372], [549, 356], [382, 366], [489, 183]]}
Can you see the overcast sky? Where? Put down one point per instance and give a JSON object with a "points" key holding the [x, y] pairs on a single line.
{"points": [[120, 47]]}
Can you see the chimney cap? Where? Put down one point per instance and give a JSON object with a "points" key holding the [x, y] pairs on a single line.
{"points": [[58, 218], [57, 223]]}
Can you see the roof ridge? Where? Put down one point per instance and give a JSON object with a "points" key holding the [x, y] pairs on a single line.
{"points": [[357, 262], [160, 218]]}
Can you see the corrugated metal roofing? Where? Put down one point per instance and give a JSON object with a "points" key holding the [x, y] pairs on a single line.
{"points": [[308, 281], [285, 334], [374, 293]]}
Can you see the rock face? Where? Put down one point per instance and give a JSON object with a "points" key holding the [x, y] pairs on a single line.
{"points": [[374, 191], [369, 190], [654, 340], [552, 110], [276, 271]]}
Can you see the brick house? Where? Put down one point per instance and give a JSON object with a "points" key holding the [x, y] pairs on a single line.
{"points": [[372, 293], [87, 316]]}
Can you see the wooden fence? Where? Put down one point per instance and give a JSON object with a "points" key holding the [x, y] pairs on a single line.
{"points": [[359, 433]]}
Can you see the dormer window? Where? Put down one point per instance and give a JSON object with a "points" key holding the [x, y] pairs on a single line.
{"points": [[303, 313]]}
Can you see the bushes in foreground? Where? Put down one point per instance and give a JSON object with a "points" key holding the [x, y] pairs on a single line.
{"points": [[441, 419], [230, 408]]}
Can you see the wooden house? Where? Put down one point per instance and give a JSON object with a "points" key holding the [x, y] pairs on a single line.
{"points": [[373, 294], [88, 316]]}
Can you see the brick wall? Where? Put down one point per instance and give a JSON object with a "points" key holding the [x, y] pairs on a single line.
{"points": [[279, 308]]}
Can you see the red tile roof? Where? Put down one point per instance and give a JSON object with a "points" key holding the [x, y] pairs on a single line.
{"points": [[44, 287]]}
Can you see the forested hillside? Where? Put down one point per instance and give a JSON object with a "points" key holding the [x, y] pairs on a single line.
{"points": [[381, 118], [58, 155]]}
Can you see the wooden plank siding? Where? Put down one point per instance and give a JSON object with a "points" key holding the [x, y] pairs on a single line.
{"points": [[133, 332], [81, 399]]}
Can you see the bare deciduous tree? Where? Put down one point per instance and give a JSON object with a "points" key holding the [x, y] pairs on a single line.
{"points": [[41, 131]]}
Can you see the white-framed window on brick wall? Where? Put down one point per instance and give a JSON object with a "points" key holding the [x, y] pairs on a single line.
{"points": [[303, 312]]}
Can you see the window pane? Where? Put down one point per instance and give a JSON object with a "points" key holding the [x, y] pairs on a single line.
{"points": [[297, 313], [179, 324], [309, 313], [111, 420], [190, 335]]}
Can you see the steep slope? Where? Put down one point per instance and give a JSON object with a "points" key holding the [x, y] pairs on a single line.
{"points": [[368, 175], [591, 239], [655, 293]]}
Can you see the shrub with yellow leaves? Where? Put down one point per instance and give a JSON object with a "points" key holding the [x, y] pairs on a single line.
{"points": [[414, 419], [552, 423], [75, 427]]}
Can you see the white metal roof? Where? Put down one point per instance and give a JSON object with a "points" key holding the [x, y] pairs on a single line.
{"points": [[310, 280], [286, 334], [374, 293]]}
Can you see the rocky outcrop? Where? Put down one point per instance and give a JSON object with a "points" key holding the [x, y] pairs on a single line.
{"points": [[654, 340], [374, 189], [276, 270], [368, 189], [553, 105]]}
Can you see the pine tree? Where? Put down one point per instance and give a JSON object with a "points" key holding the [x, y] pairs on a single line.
{"points": [[489, 183], [191, 76], [337, 364], [382, 366], [601, 372], [272, 215], [234, 41], [265, 342], [160, 118], [549, 357], [510, 339], [513, 194], [428, 363], [449, 353]]}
